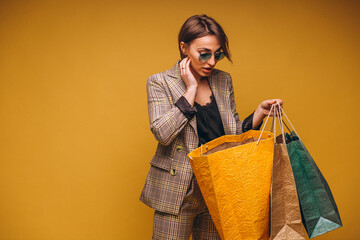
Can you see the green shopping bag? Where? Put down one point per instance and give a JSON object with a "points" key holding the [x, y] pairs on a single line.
{"points": [[318, 208]]}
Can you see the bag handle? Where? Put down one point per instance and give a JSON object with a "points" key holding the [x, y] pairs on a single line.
{"points": [[279, 117], [273, 125], [282, 110], [272, 106]]}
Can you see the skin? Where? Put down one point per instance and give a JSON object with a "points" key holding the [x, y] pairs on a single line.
{"points": [[194, 75]]}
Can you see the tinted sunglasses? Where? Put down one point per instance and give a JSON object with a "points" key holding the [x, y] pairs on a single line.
{"points": [[203, 57]]}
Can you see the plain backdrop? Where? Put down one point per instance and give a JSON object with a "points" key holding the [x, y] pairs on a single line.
{"points": [[75, 143]]}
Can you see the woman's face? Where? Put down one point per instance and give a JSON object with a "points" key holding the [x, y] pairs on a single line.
{"points": [[208, 43]]}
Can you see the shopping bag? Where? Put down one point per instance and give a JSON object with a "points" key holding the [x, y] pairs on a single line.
{"points": [[285, 210], [234, 176], [318, 208]]}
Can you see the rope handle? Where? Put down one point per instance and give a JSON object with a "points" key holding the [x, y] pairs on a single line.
{"points": [[282, 110], [279, 117], [264, 124], [281, 122]]}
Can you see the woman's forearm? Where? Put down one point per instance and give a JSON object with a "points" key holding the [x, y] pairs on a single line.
{"points": [[264, 109], [258, 117]]}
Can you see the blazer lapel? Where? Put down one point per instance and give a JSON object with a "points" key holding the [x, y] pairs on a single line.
{"points": [[177, 87], [219, 89], [218, 86]]}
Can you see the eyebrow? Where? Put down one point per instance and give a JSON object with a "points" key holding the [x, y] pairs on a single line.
{"points": [[209, 49]]}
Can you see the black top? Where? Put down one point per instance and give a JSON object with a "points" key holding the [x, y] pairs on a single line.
{"points": [[208, 120]]}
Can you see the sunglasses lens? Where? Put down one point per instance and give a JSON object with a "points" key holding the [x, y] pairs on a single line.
{"points": [[204, 57], [219, 56]]}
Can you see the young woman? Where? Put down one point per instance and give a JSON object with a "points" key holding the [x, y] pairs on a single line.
{"points": [[190, 104]]}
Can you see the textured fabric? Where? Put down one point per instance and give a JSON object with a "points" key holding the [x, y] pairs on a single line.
{"points": [[193, 218], [170, 173], [208, 121]]}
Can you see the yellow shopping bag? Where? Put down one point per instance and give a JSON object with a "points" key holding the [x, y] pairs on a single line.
{"points": [[234, 176]]}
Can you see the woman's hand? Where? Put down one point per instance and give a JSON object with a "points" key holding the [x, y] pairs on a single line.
{"points": [[263, 110], [186, 73], [189, 79], [265, 106]]}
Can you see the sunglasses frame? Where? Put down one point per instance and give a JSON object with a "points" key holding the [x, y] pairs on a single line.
{"points": [[203, 57]]}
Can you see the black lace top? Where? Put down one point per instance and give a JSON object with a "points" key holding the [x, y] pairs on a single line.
{"points": [[208, 120], [209, 124]]}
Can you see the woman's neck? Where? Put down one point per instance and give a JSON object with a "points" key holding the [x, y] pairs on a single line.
{"points": [[197, 76]]}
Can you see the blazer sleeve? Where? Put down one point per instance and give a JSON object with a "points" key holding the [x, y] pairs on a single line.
{"points": [[166, 119]]}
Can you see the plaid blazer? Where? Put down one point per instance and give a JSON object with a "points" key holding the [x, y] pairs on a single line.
{"points": [[170, 172]]}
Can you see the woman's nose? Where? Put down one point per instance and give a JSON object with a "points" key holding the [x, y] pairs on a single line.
{"points": [[212, 60]]}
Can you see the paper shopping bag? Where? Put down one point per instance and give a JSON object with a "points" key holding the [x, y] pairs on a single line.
{"points": [[319, 211], [234, 176], [285, 210]]}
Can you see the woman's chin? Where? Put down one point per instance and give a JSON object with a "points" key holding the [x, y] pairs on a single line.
{"points": [[205, 74]]}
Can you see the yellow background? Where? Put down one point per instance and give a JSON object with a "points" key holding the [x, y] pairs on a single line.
{"points": [[75, 143]]}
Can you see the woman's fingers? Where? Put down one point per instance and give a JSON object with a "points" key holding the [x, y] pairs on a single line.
{"points": [[276, 103], [183, 63], [186, 73], [270, 105], [188, 64], [184, 66]]}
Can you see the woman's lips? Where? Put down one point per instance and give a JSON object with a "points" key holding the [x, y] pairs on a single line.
{"points": [[207, 70]]}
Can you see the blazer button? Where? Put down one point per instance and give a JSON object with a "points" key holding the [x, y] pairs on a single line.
{"points": [[173, 172], [179, 148]]}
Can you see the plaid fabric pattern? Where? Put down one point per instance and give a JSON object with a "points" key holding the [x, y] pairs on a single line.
{"points": [[193, 218], [170, 173]]}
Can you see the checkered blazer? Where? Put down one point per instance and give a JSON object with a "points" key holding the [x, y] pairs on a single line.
{"points": [[170, 173]]}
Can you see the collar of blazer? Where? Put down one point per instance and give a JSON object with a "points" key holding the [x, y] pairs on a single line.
{"points": [[217, 85]]}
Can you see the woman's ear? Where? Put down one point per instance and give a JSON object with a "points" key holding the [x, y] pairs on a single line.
{"points": [[183, 48]]}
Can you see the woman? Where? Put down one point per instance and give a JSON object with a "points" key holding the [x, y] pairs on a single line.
{"points": [[189, 105]]}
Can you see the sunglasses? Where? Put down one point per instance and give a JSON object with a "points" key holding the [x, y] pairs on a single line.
{"points": [[203, 57]]}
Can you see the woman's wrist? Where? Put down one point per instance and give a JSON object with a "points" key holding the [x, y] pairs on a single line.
{"points": [[258, 116], [260, 113], [192, 88], [190, 94]]}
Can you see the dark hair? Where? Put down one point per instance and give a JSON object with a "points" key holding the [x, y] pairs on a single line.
{"points": [[198, 26]]}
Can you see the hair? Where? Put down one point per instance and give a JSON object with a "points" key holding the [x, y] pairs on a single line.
{"points": [[198, 26]]}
